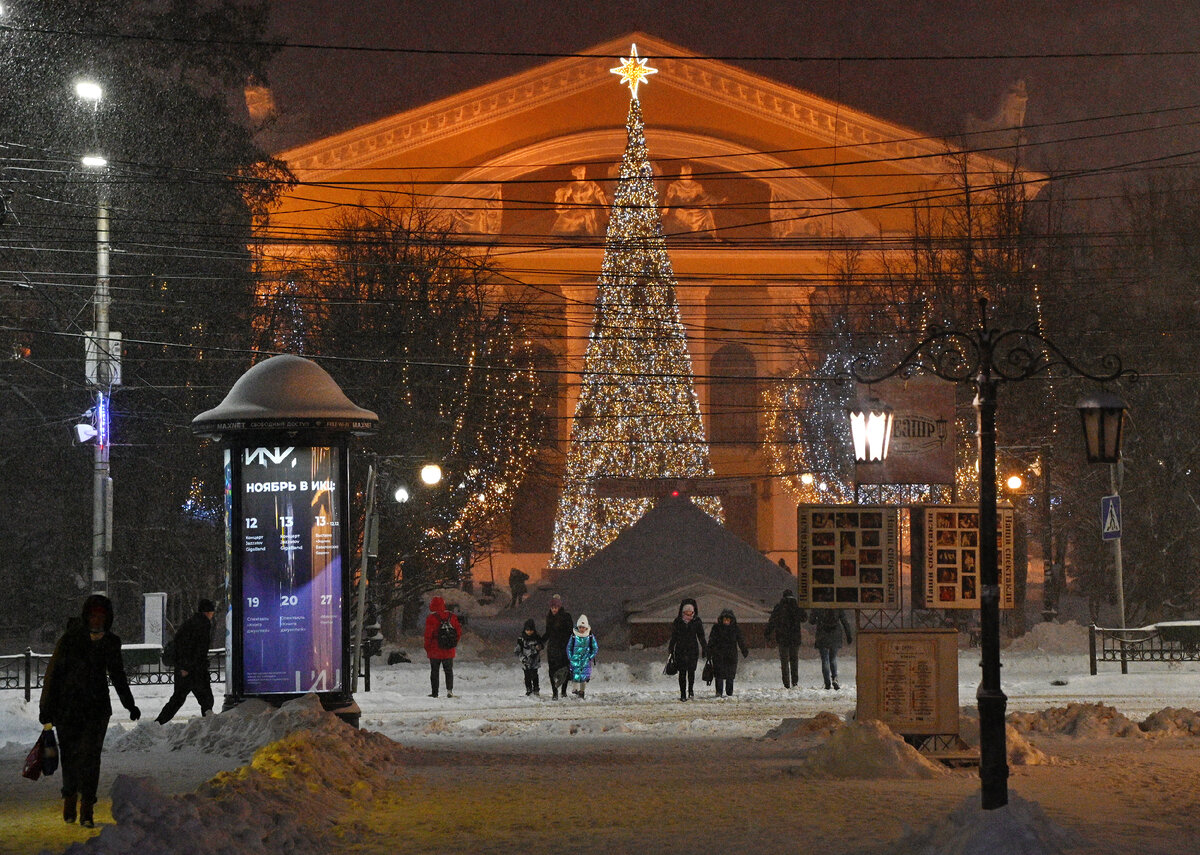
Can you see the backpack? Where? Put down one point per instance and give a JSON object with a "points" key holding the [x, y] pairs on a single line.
{"points": [[447, 635], [168, 654]]}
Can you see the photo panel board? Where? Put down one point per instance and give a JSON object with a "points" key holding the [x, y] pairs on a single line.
{"points": [[946, 539], [848, 556]]}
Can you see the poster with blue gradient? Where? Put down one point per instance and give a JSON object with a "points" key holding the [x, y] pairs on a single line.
{"points": [[291, 570]]}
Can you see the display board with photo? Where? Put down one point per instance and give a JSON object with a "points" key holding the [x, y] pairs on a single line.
{"points": [[947, 537], [848, 556]]}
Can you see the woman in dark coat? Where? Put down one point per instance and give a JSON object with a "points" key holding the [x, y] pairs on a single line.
{"points": [[75, 700], [831, 624], [559, 627], [687, 645], [724, 642]]}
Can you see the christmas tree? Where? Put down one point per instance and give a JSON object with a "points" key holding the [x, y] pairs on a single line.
{"points": [[637, 414]]}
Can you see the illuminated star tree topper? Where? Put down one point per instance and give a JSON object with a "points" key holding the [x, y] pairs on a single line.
{"points": [[634, 71]]}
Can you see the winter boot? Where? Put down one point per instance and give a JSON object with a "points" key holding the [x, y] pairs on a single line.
{"points": [[69, 808], [85, 813]]}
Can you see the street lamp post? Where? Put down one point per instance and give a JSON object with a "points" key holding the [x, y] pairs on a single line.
{"points": [[987, 357], [102, 368]]}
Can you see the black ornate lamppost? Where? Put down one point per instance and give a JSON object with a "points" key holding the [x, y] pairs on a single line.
{"points": [[988, 357]]}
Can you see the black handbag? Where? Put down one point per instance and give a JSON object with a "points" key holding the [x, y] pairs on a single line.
{"points": [[672, 668], [707, 675], [49, 751]]}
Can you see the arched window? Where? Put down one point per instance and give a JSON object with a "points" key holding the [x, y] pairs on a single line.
{"points": [[733, 396]]}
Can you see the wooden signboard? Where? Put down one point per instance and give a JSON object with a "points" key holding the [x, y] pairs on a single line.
{"points": [[908, 679]]}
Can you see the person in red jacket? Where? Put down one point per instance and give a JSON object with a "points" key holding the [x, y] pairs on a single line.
{"points": [[439, 650]]}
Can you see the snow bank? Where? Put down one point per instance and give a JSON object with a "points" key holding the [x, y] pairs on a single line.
{"points": [[1081, 720], [285, 800], [1019, 750], [1019, 828], [867, 749], [1173, 722], [823, 723], [1063, 638]]}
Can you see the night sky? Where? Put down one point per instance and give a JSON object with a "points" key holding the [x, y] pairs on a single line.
{"points": [[874, 56]]}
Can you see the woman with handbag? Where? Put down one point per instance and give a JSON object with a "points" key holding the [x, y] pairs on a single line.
{"points": [[686, 646], [723, 645]]}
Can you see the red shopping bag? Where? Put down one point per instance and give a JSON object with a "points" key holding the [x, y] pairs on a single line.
{"points": [[33, 762]]}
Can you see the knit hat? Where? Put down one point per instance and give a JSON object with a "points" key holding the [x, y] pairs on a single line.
{"points": [[529, 624], [206, 606], [556, 600], [582, 623]]}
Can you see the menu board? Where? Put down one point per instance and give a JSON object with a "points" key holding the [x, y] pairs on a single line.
{"points": [[947, 537], [908, 679], [289, 534], [848, 556]]}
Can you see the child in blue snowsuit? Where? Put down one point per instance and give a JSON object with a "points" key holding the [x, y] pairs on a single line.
{"points": [[582, 648], [529, 648]]}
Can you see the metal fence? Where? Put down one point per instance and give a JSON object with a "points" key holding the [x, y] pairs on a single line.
{"points": [[1155, 643], [143, 666]]}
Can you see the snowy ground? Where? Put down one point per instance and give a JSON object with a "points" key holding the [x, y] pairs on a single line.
{"points": [[1097, 766]]}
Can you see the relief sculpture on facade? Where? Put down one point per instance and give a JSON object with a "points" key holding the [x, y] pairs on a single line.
{"points": [[689, 205], [578, 205], [484, 214]]}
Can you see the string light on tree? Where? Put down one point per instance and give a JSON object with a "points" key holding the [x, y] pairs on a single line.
{"points": [[638, 413]]}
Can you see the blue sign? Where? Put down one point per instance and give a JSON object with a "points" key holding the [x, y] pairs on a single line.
{"points": [[1110, 517]]}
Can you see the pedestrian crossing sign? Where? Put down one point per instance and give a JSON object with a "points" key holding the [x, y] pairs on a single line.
{"points": [[1110, 517]]}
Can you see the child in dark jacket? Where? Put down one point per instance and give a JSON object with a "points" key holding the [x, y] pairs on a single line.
{"points": [[529, 648], [724, 642]]}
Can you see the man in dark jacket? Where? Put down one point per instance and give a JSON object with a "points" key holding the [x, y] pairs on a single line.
{"points": [[785, 623], [75, 700], [559, 627], [191, 663]]}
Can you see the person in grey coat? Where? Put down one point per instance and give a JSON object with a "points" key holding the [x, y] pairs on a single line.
{"points": [[831, 624]]}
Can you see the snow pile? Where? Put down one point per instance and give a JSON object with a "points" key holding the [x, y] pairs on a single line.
{"points": [[286, 800], [236, 733], [1019, 828], [1019, 750], [1062, 638], [1173, 722], [866, 749], [823, 723], [1075, 719]]}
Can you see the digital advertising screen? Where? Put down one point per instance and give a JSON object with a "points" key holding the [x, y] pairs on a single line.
{"points": [[848, 556], [288, 531]]}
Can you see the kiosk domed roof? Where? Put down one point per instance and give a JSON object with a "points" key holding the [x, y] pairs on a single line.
{"points": [[285, 392]]}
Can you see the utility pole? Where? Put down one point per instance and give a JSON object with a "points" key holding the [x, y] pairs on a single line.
{"points": [[102, 377]]}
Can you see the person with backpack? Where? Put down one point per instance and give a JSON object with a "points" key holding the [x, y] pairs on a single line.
{"points": [[190, 657], [442, 632], [581, 654], [829, 640], [785, 623]]}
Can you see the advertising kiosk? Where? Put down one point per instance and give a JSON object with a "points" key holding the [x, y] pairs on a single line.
{"points": [[285, 428]]}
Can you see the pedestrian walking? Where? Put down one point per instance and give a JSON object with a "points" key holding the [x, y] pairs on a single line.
{"points": [[687, 645], [559, 626], [75, 700], [516, 586], [785, 624], [529, 648], [831, 625], [192, 644], [581, 653], [724, 642], [442, 632]]}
